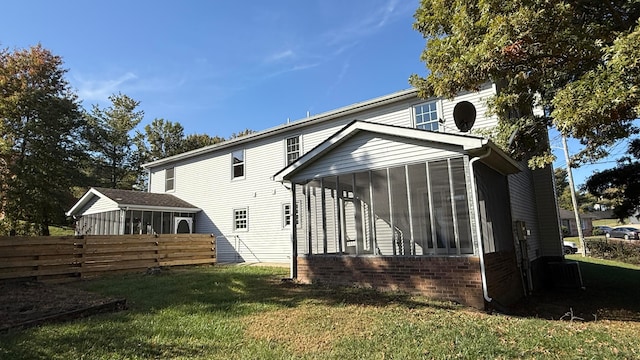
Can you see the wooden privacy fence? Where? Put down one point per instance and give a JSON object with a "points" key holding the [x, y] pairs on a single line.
{"points": [[65, 258]]}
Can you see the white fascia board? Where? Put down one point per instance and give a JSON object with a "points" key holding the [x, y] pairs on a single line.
{"points": [[326, 116], [85, 199], [159, 208]]}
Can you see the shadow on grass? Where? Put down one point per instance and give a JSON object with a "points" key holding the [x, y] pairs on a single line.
{"points": [[240, 291], [170, 311], [612, 292]]}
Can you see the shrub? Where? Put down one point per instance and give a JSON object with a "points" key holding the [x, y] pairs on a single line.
{"points": [[19, 228], [565, 231], [620, 250]]}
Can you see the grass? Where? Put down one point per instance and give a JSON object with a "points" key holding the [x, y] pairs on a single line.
{"points": [[60, 231], [235, 312], [608, 222]]}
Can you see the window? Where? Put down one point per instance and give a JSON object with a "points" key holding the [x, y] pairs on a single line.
{"points": [[237, 163], [169, 179], [286, 215], [240, 219], [293, 149], [412, 210], [427, 116]]}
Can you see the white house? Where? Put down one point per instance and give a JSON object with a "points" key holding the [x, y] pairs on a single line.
{"points": [[395, 192]]}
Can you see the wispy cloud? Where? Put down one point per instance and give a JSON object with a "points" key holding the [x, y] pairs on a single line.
{"points": [[340, 77], [286, 54], [365, 26], [100, 90], [290, 69]]}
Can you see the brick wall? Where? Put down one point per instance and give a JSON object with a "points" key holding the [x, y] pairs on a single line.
{"points": [[504, 282], [455, 278]]}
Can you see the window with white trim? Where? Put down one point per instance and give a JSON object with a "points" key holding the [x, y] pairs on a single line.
{"points": [[169, 179], [240, 219], [426, 116], [237, 164], [292, 149], [286, 215]]}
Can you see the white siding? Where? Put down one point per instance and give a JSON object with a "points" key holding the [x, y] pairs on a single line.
{"points": [[368, 151], [523, 207], [156, 181], [98, 205], [550, 238], [398, 114], [205, 180], [479, 100]]}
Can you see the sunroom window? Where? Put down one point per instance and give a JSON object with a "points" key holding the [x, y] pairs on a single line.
{"points": [[408, 210]]}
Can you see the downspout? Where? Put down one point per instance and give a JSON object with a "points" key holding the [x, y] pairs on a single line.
{"points": [[474, 195]]}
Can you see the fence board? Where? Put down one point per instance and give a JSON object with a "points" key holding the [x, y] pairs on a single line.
{"points": [[68, 257]]}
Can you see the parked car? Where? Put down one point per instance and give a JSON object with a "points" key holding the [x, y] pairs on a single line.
{"points": [[624, 232], [569, 247], [601, 230]]}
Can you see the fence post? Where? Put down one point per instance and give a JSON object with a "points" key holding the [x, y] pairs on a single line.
{"points": [[82, 245]]}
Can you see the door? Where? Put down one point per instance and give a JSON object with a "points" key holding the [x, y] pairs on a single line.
{"points": [[183, 225]]}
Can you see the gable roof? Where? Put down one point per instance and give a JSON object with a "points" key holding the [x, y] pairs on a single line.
{"points": [[473, 145], [138, 200], [320, 118]]}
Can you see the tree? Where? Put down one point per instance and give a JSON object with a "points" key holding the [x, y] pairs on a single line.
{"points": [[242, 133], [164, 137], [41, 144], [586, 200], [577, 60], [196, 141], [112, 142], [621, 184]]}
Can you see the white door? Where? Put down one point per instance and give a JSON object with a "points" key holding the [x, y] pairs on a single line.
{"points": [[183, 225]]}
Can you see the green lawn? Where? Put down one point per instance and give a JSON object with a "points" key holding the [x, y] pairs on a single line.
{"points": [[608, 222], [238, 312]]}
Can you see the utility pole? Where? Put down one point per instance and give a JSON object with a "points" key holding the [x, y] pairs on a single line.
{"points": [[574, 199]]}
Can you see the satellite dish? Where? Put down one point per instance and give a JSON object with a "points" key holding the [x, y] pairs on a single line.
{"points": [[464, 115]]}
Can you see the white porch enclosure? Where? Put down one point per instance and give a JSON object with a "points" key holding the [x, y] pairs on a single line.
{"points": [[415, 209], [128, 222]]}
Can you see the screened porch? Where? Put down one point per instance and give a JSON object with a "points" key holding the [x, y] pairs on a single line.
{"points": [[407, 210]]}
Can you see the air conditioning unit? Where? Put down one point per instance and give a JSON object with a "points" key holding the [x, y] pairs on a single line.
{"points": [[565, 274]]}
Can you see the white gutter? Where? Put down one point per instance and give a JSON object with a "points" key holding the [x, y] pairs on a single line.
{"points": [[474, 195]]}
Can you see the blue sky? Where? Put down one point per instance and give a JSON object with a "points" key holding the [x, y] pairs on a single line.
{"points": [[218, 67]]}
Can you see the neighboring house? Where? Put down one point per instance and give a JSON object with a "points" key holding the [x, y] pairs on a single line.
{"points": [[103, 211], [381, 193], [568, 221]]}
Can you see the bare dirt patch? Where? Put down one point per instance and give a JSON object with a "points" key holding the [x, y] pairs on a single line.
{"points": [[25, 304]]}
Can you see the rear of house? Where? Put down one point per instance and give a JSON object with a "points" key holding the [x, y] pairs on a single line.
{"points": [[394, 192]]}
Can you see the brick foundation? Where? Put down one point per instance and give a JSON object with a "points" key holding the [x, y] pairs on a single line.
{"points": [[455, 278], [503, 277]]}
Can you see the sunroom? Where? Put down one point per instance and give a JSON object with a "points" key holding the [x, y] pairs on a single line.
{"points": [[103, 211], [397, 208]]}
